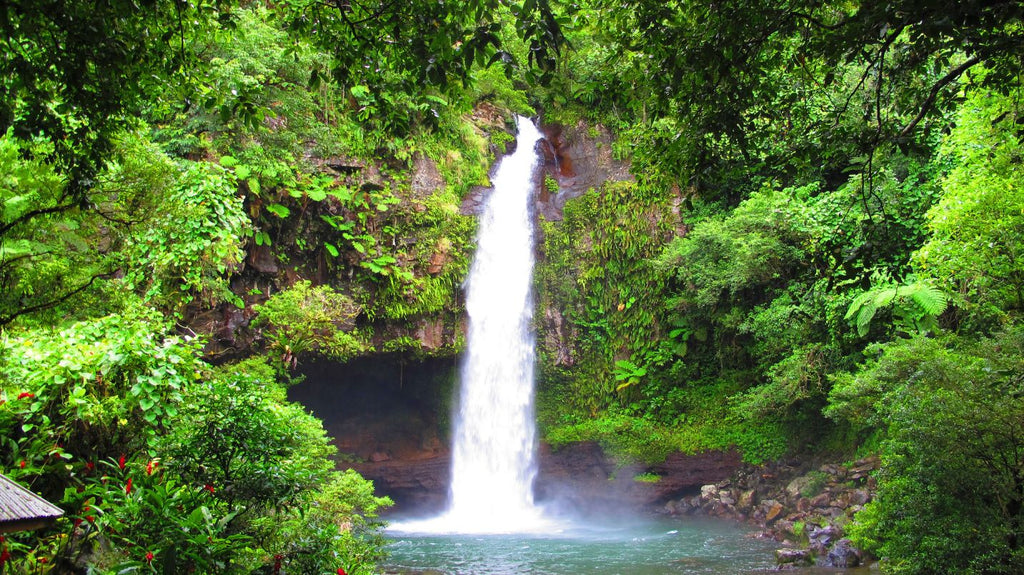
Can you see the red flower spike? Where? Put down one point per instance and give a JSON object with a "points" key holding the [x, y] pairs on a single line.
{"points": [[43, 560], [78, 522], [120, 462], [90, 518], [22, 464], [89, 466], [26, 395], [149, 556], [341, 571], [128, 486], [151, 466], [5, 556], [208, 487]]}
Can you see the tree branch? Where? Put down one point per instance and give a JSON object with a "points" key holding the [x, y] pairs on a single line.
{"points": [[936, 88], [4, 228], [6, 319]]}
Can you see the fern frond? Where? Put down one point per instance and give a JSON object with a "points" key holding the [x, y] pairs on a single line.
{"points": [[857, 304], [929, 298], [864, 317]]}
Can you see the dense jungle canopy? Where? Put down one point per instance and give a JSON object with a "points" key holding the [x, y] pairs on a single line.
{"points": [[819, 252]]}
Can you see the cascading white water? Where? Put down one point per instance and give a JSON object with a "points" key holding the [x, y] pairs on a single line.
{"points": [[494, 442], [493, 452]]}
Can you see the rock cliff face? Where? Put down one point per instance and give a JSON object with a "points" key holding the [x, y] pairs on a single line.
{"points": [[390, 422], [583, 475], [578, 158], [579, 476]]}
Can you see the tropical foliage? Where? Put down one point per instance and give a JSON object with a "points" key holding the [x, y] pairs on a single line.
{"points": [[819, 250]]}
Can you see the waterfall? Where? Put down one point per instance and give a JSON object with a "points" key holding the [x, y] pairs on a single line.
{"points": [[494, 458], [494, 446]]}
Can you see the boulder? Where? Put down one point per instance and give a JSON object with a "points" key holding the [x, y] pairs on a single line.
{"points": [[792, 557], [860, 497], [798, 486], [430, 334], [746, 500], [822, 500], [843, 555], [821, 538], [773, 510], [708, 492], [426, 177]]}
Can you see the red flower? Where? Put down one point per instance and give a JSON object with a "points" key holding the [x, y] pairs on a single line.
{"points": [[78, 522], [208, 487], [120, 462], [341, 571], [90, 518], [128, 486], [43, 559], [89, 466], [22, 464], [5, 556], [151, 466], [25, 394], [149, 556]]}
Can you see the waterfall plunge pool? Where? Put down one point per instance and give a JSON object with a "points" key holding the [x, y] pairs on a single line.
{"points": [[607, 545]]}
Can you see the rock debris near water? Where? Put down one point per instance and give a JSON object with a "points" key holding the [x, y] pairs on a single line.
{"points": [[799, 504]]}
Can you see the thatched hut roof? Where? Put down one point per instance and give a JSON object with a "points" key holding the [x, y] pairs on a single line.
{"points": [[22, 510]]}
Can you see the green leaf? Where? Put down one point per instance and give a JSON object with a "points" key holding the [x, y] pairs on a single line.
{"points": [[930, 299], [360, 92], [331, 249], [316, 194], [278, 210]]}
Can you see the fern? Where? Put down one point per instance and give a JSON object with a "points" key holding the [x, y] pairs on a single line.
{"points": [[930, 299], [916, 305]]}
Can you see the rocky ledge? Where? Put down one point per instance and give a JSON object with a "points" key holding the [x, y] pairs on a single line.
{"points": [[580, 476], [804, 507]]}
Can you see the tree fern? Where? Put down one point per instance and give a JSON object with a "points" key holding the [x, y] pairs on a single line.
{"points": [[916, 306], [930, 299]]}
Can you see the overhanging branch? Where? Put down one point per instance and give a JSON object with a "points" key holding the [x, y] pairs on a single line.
{"points": [[934, 93]]}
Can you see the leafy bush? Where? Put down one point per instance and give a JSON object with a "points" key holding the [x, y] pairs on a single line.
{"points": [[162, 462], [193, 243], [629, 439], [239, 435], [306, 319], [975, 246], [949, 494], [335, 525]]}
